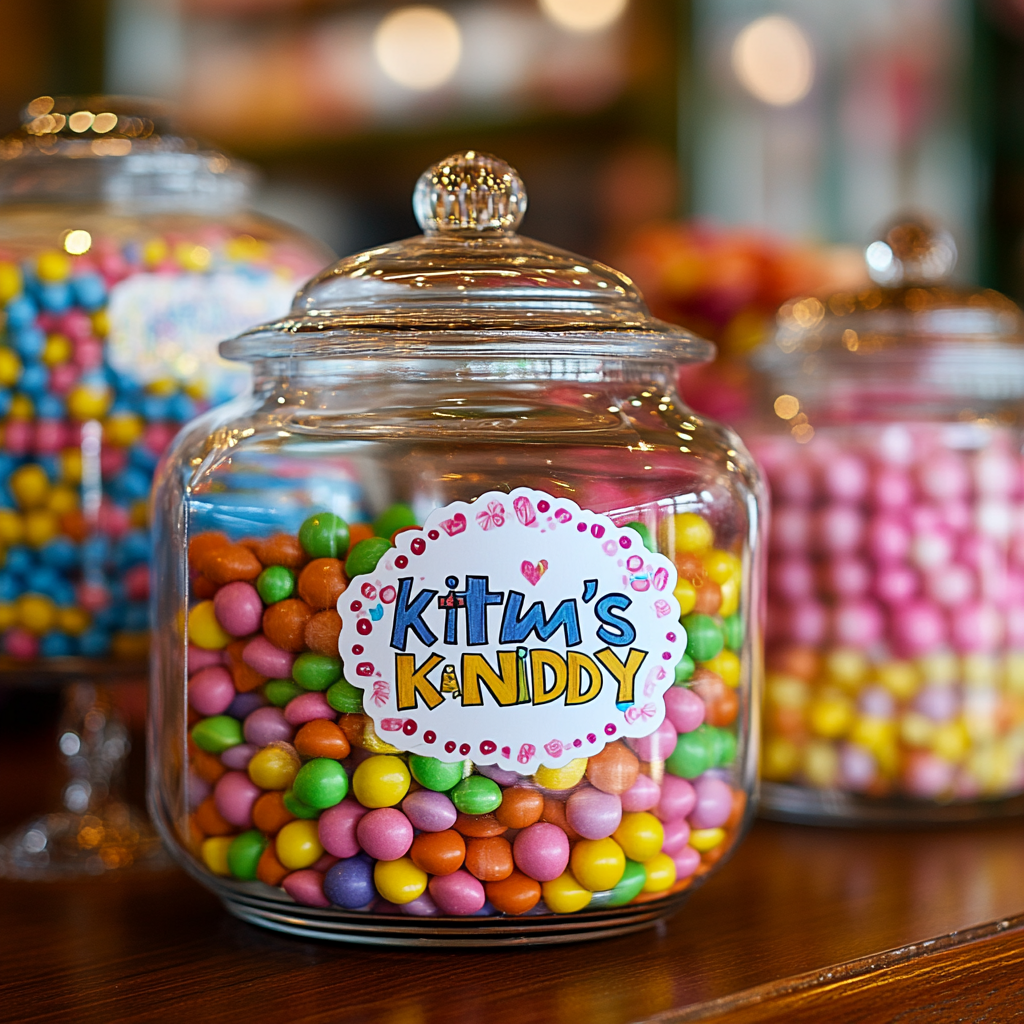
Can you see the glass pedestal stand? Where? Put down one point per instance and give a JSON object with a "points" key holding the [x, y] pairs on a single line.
{"points": [[95, 830]]}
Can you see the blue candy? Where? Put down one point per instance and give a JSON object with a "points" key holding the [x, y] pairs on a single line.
{"points": [[19, 560], [21, 312], [35, 379], [56, 645], [136, 616], [28, 341], [61, 553], [10, 588], [94, 642], [90, 290], [51, 407], [56, 296], [349, 883]]}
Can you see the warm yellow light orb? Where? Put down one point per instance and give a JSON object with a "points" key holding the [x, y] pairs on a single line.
{"points": [[773, 60], [584, 15], [418, 47], [77, 242]]}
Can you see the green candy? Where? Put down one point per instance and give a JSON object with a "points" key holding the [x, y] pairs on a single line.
{"points": [[280, 691], [632, 881], [275, 583], [321, 783], [645, 534], [324, 535], [316, 671], [704, 638], [217, 734], [345, 697], [433, 774], [397, 517], [295, 806], [476, 795], [723, 746], [365, 555], [244, 854], [694, 754], [684, 670], [732, 627]]}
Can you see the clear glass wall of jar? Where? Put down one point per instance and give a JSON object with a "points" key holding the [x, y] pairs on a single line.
{"points": [[443, 430], [891, 437]]}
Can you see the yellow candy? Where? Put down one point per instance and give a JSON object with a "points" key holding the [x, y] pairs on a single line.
{"points": [[980, 714], [192, 257], [980, 670], [730, 597], [726, 664], [274, 767], [561, 778], [916, 730], [564, 895], [62, 499], [10, 367], [57, 350], [693, 532], [704, 839], [598, 864], [786, 691], [992, 766], [661, 873], [71, 465], [214, 852], [52, 266], [374, 743], [204, 630], [36, 612], [30, 485], [900, 678], [41, 526], [821, 764], [873, 733], [8, 615], [10, 282], [399, 881], [140, 513], [381, 781], [154, 251], [298, 844], [640, 835], [73, 620], [123, 430], [847, 668], [100, 323], [1014, 673], [686, 594], [12, 527], [21, 408], [721, 565], [780, 759], [831, 715], [940, 669], [88, 402], [245, 249], [950, 741], [165, 386]]}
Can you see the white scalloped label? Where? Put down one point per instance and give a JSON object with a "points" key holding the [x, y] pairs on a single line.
{"points": [[518, 629]]}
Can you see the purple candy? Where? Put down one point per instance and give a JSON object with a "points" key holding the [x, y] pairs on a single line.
{"points": [[677, 835], [267, 725], [238, 608], [687, 860], [541, 851], [198, 789], [857, 767], [498, 775], [211, 690], [349, 883], [677, 798], [939, 703], [306, 887], [267, 659], [459, 894], [684, 709], [385, 833], [234, 795], [245, 704], [337, 828], [308, 707], [658, 746], [595, 815], [642, 795], [429, 811], [422, 906], [238, 756], [876, 702], [713, 806]]}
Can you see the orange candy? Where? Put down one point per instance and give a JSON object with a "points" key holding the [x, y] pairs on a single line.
{"points": [[281, 549], [614, 770], [322, 632], [520, 807], [203, 589], [513, 895], [490, 860], [269, 813], [439, 853], [209, 819], [802, 662], [322, 738], [722, 703], [709, 598], [246, 678], [478, 826], [204, 764], [554, 811], [270, 870], [204, 544], [358, 532], [284, 624], [229, 563], [321, 583]]}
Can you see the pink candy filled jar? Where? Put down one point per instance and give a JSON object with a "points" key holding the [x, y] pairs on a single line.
{"points": [[891, 438], [459, 632]]}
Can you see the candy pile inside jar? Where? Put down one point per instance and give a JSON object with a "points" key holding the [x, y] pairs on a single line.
{"points": [[896, 612], [291, 785], [81, 437]]}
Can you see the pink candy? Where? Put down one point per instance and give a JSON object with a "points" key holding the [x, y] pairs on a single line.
{"points": [[234, 795], [459, 893], [684, 709], [540, 850], [238, 608], [337, 827], [308, 707], [267, 659], [211, 690]]}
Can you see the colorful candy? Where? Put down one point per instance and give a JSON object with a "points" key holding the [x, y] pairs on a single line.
{"points": [[308, 797]]}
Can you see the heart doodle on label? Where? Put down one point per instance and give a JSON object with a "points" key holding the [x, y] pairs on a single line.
{"points": [[533, 572], [457, 524], [524, 511]]}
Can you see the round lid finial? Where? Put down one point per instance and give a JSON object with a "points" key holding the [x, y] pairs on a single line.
{"points": [[912, 251], [467, 193]]}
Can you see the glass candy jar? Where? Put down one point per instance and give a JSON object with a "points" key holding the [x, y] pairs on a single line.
{"points": [[126, 252], [895, 639], [458, 631]]}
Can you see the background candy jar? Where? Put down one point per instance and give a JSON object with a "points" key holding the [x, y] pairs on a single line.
{"points": [[126, 251], [891, 439], [363, 726]]}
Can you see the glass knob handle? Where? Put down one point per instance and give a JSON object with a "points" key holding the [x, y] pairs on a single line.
{"points": [[469, 193]]}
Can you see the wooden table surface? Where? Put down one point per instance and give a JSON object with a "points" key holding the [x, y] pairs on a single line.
{"points": [[803, 925]]}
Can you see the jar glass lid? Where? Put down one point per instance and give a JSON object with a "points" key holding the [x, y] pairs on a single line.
{"points": [[470, 285]]}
